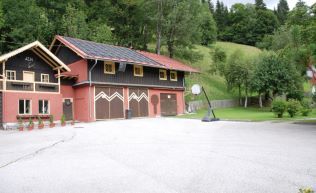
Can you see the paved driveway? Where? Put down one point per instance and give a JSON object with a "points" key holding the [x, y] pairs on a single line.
{"points": [[159, 155]]}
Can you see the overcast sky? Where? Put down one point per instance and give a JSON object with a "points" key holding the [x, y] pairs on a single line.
{"points": [[270, 3]]}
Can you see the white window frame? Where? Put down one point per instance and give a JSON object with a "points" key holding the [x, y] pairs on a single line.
{"points": [[48, 110], [113, 67], [42, 80], [176, 75], [24, 107], [29, 72], [165, 73], [10, 71], [141, 70]]}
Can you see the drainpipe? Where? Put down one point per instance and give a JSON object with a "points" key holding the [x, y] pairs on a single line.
{"points": [[90, 83]]}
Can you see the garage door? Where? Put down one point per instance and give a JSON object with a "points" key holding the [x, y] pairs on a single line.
{"points": [[109, 103], [168, 104], [138, 102]]}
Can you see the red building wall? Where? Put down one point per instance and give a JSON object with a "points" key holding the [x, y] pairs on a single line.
{"points": [[82, 110], [80, 68], [180, 101], [11, 104]]}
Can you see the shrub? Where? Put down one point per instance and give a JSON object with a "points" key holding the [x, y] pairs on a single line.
{"points": [[20, 121], [63, 119], [306, 190], [293, 107], [306, 107], [40, 121], [278, 107], [51, 119], [31, 122]]}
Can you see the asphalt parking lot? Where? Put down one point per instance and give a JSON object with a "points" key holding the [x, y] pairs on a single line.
{"points": [[159, 155]]}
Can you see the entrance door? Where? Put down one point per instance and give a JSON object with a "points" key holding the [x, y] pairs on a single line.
{"points": [[138, 102], [28, 76], [67, 109], [168, 104], [109, 103]]}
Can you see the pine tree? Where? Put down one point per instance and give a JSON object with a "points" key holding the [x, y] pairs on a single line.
{"points": [[282, 11], [260, 4]]}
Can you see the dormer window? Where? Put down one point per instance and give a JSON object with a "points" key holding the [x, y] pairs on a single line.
{"points": [[10, 74], [173, 76], [109, 68], [138, 71], [44, 77], [162, 74]]}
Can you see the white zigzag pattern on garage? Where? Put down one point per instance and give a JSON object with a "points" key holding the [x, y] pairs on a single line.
{"points": [[138, 98], [108, 98]]}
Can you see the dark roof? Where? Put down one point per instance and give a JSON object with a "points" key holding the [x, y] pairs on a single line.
{"points": [[93, 50]]}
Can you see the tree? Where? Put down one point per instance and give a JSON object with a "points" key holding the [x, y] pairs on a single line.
{"points": [[282, 11], [221, 16], [300, 15], [259, 4], [208, 27], [274, 75], [24, 22], [100, 33], [266, 23], [74, 22]]}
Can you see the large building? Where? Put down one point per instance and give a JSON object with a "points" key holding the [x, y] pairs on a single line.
{"points": [[89, 81]]}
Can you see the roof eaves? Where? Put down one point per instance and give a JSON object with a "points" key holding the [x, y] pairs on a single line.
{"points": [[72, 47]]}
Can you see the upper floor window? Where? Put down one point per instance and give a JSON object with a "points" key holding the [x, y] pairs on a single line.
{"points": [[44, 77], [162, 74], [109, 67], [43, 107], [10, 74], [138, 71], [173, 76], [24, 107], [28, 76]]}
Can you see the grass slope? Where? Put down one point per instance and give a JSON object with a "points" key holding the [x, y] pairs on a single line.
{"points": [[215, 85]]}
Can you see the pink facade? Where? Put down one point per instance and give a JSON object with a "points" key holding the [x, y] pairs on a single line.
{"points": [[180, 101], [11, 104], [80, 68], [83, 111]]}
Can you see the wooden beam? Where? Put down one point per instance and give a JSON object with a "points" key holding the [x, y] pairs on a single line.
{"points": [[57, 48], [39, 55], [44, 55], [51, 46], [58, 80]]}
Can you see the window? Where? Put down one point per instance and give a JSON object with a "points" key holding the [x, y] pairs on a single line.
{"points": [[109, 68], [43, 107], [162, 74], [24, 107], [10, 74], [28, 76], [44, 77], [138, 70], [173, 76]]}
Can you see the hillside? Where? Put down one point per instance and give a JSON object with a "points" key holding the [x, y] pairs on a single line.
{"points": [[214, 85]]}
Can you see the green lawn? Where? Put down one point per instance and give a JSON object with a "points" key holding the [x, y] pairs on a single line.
{"points": [[246, 114]]}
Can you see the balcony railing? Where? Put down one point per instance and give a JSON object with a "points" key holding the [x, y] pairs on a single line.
{"points": [[19, 85]]}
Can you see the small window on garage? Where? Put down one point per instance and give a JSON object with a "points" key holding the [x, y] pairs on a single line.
{"points": [[162, 74], [138, 70], [109, 68], [24, 107], [173, 76]]}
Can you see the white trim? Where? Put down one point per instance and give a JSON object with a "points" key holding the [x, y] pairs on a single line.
{"points": [[24, 107], [50, 83], [31, 45], [48, 113], [42, 74], [31, 72], [30, 92], [10, 71]]}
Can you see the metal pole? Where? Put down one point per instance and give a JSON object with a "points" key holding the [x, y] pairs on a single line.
{"points": [[209, 103]]}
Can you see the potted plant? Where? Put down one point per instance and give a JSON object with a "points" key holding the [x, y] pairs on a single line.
{"points": [[31, 124], [63, 120], [72, 122], [51, 121], [40, 123], [20, 124]]}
